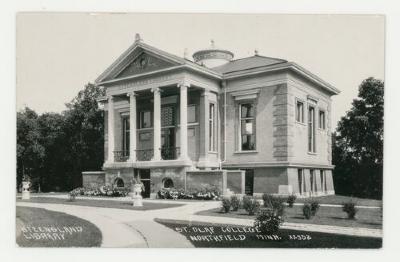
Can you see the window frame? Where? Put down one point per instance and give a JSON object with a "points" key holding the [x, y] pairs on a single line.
{"points": [[323, 126], [300, 180], [312, 181], [253, 119], [126, 136], [211, 127], [195, 114], [141, 115], [302, 118], [313, 149]]}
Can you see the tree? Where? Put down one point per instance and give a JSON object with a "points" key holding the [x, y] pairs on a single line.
{"points": [[358, 144], [84, 130], [30, 151], [52, 137], [54, 149]]}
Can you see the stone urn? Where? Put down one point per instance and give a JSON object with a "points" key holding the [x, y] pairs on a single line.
{"points": [[137, 195], [26, 194]]}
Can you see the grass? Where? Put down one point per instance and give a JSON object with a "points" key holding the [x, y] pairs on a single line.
{"points": [[100, 203], [338, 200], [366, 218], [214, 235], [34, 229]]}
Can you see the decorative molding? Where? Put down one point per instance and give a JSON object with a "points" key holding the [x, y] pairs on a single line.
{"points": [[250, 94], [312, 99]]}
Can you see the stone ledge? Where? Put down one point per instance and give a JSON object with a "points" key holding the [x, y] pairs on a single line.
{"points": [[148, 164]]}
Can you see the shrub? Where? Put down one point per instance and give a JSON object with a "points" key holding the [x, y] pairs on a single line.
{"points": [[235, 201], [226, 205], [205, 193], [314, 207], [307, 211], [72, 195], [268, 222], [290, 200], [350, 209], [276, 204], [251, 205]]}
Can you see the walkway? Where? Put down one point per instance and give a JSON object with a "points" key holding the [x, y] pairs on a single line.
{"points": [[132, 228]]}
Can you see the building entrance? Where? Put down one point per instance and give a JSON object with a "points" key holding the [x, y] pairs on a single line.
{"points": [[144, 176]]}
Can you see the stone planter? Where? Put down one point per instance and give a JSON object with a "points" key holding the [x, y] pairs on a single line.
{"points": [[26, 194], [137, 195]]}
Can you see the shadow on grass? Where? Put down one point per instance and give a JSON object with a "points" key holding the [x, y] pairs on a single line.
{"points": [[229, 236]]}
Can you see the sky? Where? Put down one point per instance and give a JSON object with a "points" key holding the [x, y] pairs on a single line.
{"points": [[58, 53]]}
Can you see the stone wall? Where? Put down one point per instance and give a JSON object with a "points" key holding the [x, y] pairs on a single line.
{"points": [[93, 179], [283, 124], [323, 184], [200, 179], [158, 176], [235, 181], [268, 180], [126, 174]]}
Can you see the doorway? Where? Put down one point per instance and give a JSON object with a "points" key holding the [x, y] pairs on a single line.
{"points": [[144, 176]]}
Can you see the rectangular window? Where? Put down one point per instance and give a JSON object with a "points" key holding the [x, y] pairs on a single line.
{"points": [[125, 136], [247, 127], [322, 178], [167, 116], [211, 121], [191, 114], [300, 179], [300, 112], [311, 129], [324, 187], [145, 118], [312, 181], [321, 123]]}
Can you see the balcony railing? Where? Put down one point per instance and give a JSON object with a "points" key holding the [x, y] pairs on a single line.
{"points": [[144, 154], [121, 156], [170, 153], [167, 153]]}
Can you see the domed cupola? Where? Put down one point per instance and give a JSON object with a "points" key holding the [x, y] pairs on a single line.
{"points": [[213, 56]]}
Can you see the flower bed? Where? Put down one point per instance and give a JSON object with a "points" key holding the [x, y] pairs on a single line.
{"points": [[107, 191], [195, 194]]}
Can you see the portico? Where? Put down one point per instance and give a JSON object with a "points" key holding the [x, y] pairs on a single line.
{"points": [[167, 109]]}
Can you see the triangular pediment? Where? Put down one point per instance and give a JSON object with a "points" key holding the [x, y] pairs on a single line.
{"points": [[144, 63], [137, 60]]}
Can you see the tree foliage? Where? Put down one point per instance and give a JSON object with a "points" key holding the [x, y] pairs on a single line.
{"points": [[53, 149], [358, 144]]}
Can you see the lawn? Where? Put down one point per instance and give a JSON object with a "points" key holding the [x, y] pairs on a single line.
{"points": [[100, 203], [38, 227], [338, 200], [366, 218], [221, 236]]}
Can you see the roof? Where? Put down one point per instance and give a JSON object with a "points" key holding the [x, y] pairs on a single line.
{"points": [[247, 63], [235, 68]]}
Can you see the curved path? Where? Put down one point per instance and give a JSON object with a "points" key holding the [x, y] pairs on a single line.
{"points": [[132, 228]]}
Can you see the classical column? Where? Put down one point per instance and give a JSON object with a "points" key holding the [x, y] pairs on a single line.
{"points": [[157, 124], [110, 129], [183, 117], [204, 127], [132, 127]]}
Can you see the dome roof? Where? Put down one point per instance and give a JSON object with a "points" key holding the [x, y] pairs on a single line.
{"points": [[212, 56]]}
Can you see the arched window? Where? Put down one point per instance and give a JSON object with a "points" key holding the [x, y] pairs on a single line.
{"points": [[119, 182], [168, 183]]}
